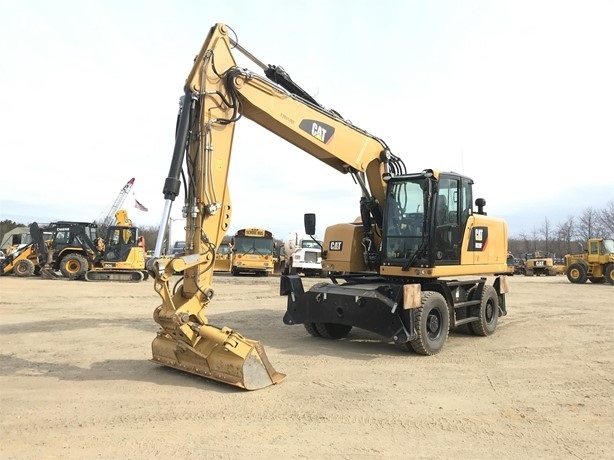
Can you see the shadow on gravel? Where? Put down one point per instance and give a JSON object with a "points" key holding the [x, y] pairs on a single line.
{"points": [[129, 370], [140, 324]]}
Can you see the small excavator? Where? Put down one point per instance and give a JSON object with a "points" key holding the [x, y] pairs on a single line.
{"points": [[394, 270]]}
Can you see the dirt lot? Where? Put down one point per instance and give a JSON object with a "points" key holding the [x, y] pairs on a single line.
{"points": [[76, 381]]}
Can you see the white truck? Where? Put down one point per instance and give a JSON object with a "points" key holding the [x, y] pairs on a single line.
{"points": [[303, 254]]}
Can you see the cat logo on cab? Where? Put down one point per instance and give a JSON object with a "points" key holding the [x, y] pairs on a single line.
{"points": [[335, 246]]}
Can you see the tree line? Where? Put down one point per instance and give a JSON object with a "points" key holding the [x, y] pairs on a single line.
{"points": [[568, 236]]}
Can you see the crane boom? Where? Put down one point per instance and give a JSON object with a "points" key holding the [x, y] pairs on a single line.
{"points": [[109, 216]]}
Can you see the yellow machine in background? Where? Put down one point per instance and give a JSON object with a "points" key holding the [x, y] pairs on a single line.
{"points": [[252, 252], [595, 264], [21, 261], [538, 263], [223, 258], [394, 269], [76, 250]]}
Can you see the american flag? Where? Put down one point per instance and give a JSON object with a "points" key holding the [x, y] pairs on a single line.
{"points": [[139, 206]]}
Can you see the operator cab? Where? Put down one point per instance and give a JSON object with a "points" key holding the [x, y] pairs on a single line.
{"points": [[425, 218], [119, 243]]}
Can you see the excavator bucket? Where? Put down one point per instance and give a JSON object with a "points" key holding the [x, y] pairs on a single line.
{"points": [[219, 354]]}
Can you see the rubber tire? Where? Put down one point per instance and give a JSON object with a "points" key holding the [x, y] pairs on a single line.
{"points": [[24, 268], [609, 273], [594, 280], [489, 313], [576, 273], [433, 307], [311, 328], [333, 331], [73, 266]]}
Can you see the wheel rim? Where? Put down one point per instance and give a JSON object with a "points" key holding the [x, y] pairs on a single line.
{"points": [[433, 325], [73, 267], [574, 273]]}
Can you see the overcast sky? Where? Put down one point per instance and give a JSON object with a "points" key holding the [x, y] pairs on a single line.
{"points": [[518, 95]]}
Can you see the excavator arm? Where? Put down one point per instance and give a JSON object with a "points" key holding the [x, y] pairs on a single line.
{"points": [[217, 94]]}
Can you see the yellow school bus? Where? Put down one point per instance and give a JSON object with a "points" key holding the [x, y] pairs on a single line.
{"points": [[252, 252]]}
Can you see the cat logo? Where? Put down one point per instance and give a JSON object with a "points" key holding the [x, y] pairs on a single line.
{"points": [[335, 246], [320, 131], [478, 239], [479, 234]]}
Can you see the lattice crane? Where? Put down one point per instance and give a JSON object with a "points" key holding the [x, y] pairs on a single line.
{"points": [[109, 216]]}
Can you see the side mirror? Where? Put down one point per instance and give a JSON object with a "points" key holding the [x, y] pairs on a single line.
{"points": [[310, 224]]}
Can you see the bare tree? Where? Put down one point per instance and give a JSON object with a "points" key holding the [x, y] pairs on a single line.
{"points": [[606, 219], [587, 226], [544, 231], [534, 238], [525, 243], [565, 234]]}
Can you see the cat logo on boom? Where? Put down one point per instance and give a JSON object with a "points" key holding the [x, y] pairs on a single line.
{"points": [[318, 130]]}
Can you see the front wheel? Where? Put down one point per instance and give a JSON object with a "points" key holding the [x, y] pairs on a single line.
{"points": [[23, 268], [432, 324], [576, 273], [609, 273]]}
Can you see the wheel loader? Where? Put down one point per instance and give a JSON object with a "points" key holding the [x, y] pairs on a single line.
{"points": [[412, 266], [596, 264]]}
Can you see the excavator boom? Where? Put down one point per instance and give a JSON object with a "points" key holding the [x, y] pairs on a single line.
{"points": [[217, 93]]}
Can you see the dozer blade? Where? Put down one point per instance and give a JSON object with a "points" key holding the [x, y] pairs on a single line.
{"points": [[221, 355], [48, 274]]}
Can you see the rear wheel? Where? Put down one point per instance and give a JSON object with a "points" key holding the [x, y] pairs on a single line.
{"points": [[311, 328], [576, 273], [488, 314], [594, 280], [73, 266], [23, 268], [609, 273], [432, 324], [333, 331]]}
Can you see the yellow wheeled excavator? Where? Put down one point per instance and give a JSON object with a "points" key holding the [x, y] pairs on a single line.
{"points": [[406, 269]]}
